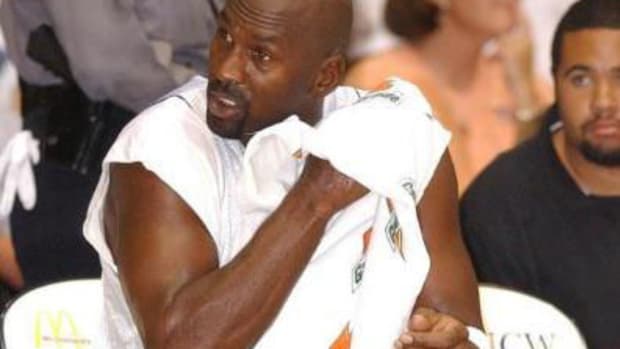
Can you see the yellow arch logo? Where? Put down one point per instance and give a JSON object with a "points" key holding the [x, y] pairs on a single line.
{"points": [[57, 329]]}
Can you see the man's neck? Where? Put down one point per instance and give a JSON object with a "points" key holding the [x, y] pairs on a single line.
{"points": [[311, 116], [314, 118], [592, 178]]}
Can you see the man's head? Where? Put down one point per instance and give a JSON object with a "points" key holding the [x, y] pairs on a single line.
{"points": [[586, 69], [416, 19], [274, 58]]}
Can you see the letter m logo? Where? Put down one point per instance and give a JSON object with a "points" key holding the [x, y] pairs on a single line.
{"points": [[57, 330]]}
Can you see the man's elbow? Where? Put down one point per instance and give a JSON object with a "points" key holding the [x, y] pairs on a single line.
{"points": [[188, 330]]}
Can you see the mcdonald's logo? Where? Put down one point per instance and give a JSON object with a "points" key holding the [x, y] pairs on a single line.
{"points": [[57, 329]]}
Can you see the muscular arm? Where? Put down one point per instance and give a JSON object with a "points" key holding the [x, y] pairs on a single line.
{"points": [[167, 262], [451, 286]]}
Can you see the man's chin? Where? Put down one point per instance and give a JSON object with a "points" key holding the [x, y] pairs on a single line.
{"points": [[222, 130], [601, 156]]}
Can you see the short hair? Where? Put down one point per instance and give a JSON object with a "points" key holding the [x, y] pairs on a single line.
{"points": [[584, 14], [412, 19]]}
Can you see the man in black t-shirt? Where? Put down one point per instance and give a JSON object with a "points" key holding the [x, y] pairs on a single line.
{"points": [[545, 217]]}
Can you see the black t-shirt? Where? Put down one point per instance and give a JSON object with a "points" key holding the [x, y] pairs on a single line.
{"points": [[528, 226]]}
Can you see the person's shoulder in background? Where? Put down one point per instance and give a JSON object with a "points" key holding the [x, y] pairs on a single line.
{"points": [[401, 61], [495, 212], [510, 174], [372, 70]]}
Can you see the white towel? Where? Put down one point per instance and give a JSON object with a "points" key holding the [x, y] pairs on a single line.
{"points": [[389, 142]]}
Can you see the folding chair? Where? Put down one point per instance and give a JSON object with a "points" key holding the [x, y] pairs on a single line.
{"points": [[60, 315], [515, 320]]}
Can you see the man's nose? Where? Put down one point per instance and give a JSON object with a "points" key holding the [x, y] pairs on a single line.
{"points": [[232, 66], [606, 96]]}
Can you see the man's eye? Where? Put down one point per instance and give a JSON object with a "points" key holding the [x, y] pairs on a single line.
{"points": [[580, 80], [261, 55], [225, 35]]}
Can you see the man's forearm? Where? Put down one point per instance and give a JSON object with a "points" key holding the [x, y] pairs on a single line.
{"points": [[232, 306]]}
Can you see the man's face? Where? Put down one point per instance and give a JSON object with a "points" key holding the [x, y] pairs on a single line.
{"points": [[588, 91], [259, 72]]}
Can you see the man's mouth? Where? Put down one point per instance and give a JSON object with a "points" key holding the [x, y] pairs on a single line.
{"points": [[605, 128], [224, 106]]}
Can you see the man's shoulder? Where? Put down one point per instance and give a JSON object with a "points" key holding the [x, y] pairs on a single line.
{"points": [[193, 90], [172, 130], [180, 112]]}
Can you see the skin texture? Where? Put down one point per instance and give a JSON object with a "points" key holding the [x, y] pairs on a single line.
{"points": [[423, 327], [588, 88], [179, 295]]}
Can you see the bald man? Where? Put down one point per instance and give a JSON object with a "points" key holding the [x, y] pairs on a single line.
{"points": [[165, 217]]}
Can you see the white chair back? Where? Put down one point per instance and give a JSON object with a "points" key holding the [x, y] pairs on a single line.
{"points": [[515, 320], [63, 315]]}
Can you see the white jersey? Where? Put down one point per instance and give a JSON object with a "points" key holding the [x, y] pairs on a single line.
{"points": [[171, 139], [232, 190]]}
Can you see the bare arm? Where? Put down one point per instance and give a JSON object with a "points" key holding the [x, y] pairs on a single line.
{"points": [[179, 296], [451, 286], [449, 300]]}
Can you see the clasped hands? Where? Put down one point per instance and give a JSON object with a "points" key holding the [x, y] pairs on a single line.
{"points": [[429, 329]]}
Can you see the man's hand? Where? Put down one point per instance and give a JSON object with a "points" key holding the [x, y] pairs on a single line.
{"points": [[429, 329], [335, 190]]}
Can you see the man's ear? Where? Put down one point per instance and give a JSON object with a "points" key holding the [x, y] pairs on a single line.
{"points": [[331, 74]]}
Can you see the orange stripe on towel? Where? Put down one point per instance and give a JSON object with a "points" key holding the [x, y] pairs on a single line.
{"points": [[366, 239], [343, 341]]}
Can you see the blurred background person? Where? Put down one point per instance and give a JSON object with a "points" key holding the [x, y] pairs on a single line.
{"points": [[85, 68], [9, 124], [472, 59], [544, 218]]}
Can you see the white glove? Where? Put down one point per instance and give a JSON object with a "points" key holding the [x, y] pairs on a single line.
{"points": [[16, 177]]}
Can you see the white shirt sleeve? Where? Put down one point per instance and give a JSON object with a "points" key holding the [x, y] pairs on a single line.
{"points": [[174, 144]]}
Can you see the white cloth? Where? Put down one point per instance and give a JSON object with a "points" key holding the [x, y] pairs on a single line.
{"points": [[389, 142], [171, 139], [16, 176]]}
